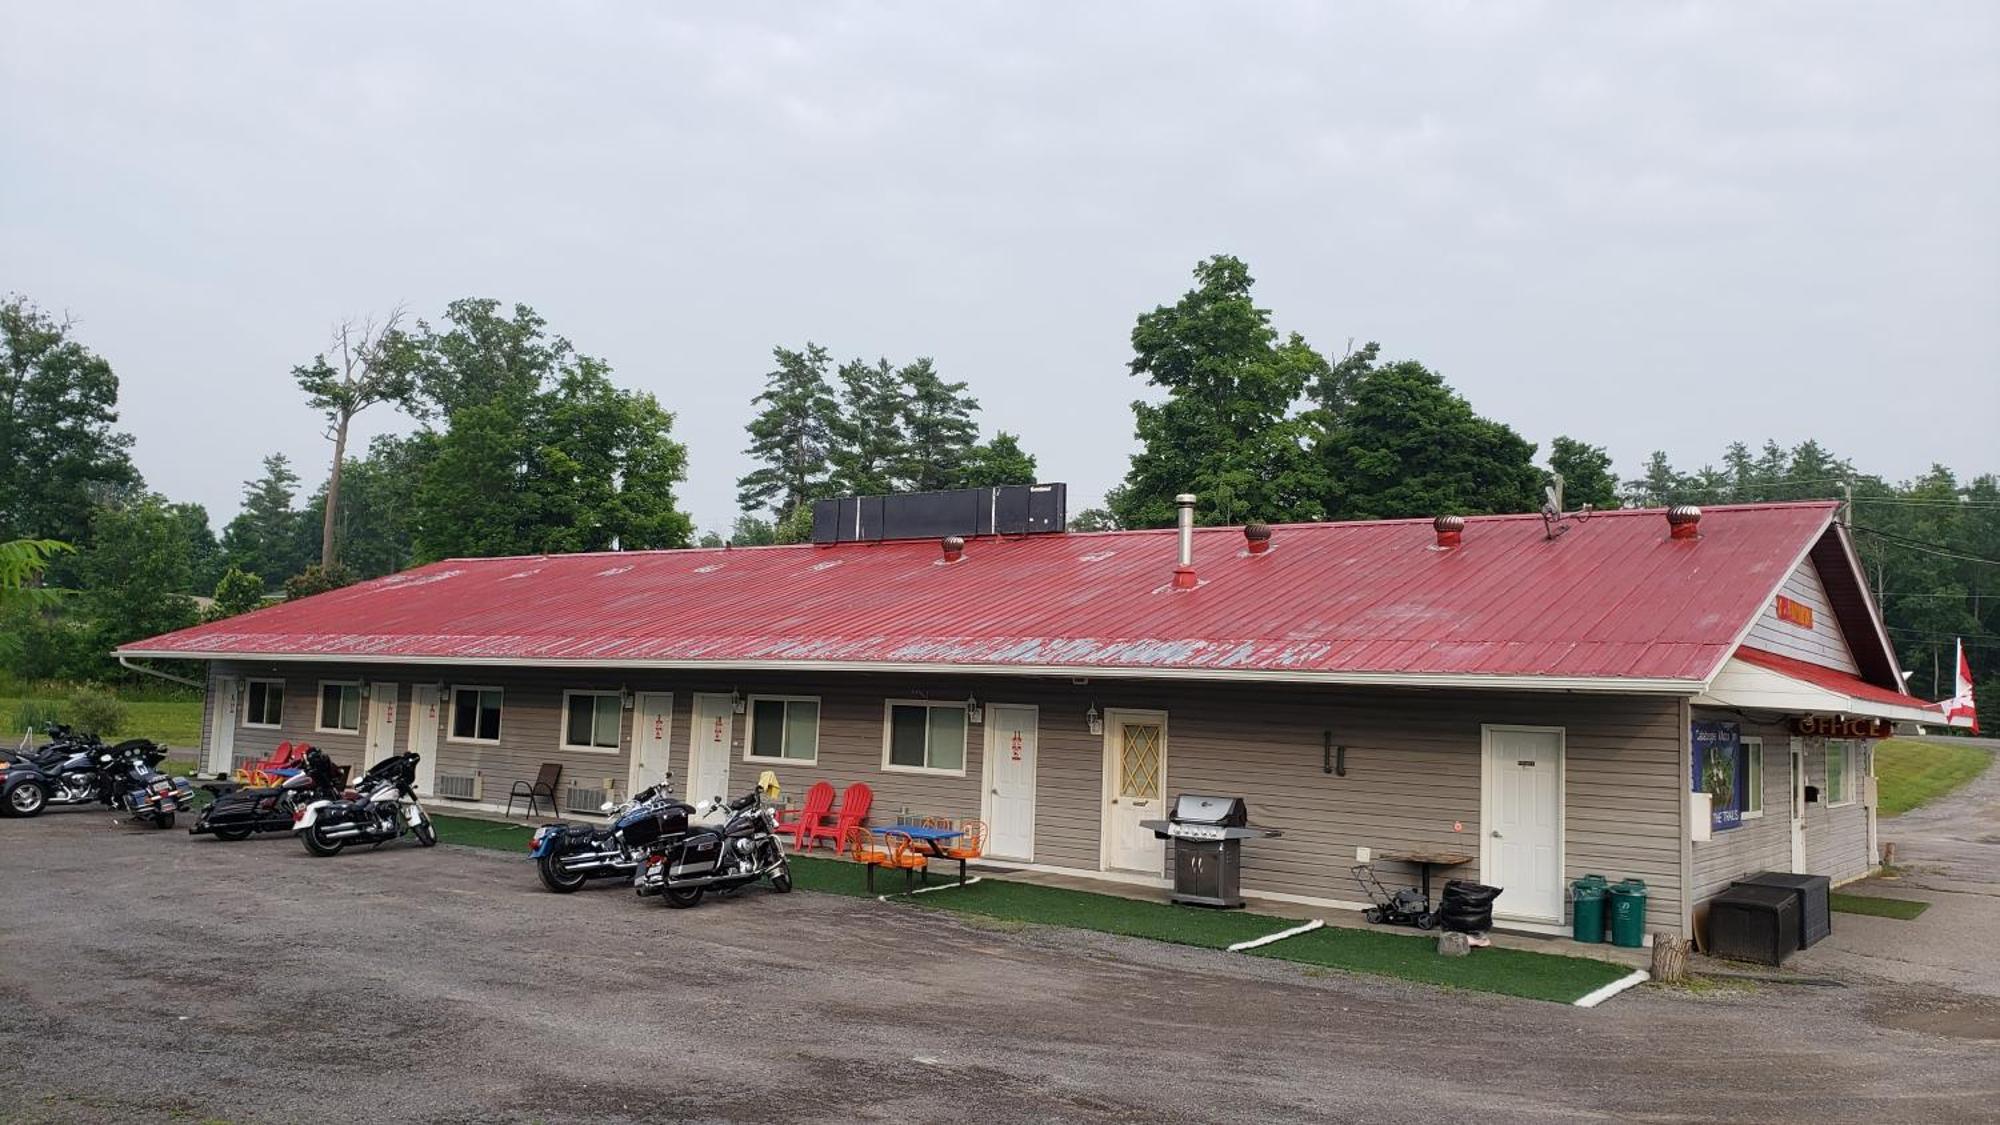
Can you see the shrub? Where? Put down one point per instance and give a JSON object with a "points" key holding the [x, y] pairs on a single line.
{"points": [[33, 716], [96, 711]]}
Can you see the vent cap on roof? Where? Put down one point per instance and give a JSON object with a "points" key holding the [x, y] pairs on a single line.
{"points": [[1450, 531], [1257, 537], [1684, 521]]}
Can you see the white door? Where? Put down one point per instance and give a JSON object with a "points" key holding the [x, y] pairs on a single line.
{"points": [[1135, 768], [652, 739], [424, 735], [1522, 851], [708, 747], [222, 705], [1798, 808], [381, 723], [1010, 781]]}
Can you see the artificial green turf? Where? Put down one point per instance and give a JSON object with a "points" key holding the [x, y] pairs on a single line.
{"points": [[474, 832], [1906, 909], [1083, 910], [1909, 773]]}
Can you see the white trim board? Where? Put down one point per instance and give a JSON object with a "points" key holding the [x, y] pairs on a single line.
{"points": [[1748, 687]]}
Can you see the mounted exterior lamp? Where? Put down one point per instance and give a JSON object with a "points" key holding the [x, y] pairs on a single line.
{"points": [[736, 703], [1093, 720], [974, 713]]}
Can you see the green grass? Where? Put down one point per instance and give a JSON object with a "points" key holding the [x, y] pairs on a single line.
{"points": [[171, 723], [1005, 905], [1904, 908], [1910, 774]]}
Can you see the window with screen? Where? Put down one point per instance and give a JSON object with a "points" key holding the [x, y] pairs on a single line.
{"points": [[783, 729], [475, 714], [925, 737], [591, 720], [339, 708], [264, 703]]}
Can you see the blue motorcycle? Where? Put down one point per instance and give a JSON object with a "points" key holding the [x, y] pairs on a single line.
{"points": [[569, 855]]}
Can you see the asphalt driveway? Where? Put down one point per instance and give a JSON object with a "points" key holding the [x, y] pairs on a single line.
{"points": [[152, 975]]}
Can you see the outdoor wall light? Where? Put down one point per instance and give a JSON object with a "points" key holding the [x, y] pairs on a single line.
{"points": [[973, 712], [736, 703], [625, 697], [1093, 720]]}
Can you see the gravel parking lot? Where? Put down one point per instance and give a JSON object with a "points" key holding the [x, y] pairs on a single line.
{"points": [[150, 975]]}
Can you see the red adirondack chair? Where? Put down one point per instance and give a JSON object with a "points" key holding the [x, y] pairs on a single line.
{"points": [[853, 810], [283, 757], [808, 820]]}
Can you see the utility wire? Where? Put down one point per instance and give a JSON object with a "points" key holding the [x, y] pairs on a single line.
{"points": [[1922, 545]]}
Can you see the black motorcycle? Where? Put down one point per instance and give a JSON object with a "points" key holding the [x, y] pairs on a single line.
{"points": [[79, 770], [383, 807], [239, 812], [569, 855], [684, 862]]}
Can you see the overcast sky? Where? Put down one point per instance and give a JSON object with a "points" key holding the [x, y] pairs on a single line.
{"points": [[1646, 225]]}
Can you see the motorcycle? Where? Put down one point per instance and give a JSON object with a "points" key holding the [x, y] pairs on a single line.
{"points": [[238, 813], [381, 807], [569, 855], [125, 776], [683, 862]]}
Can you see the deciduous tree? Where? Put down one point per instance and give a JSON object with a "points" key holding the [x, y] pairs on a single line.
{"points": [[1586, 473], [368, 366], [60, 455]]}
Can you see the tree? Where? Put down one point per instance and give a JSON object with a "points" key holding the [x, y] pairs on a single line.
{"points": [[996, 462], [60, 456], [867, 445], [265, 537], [1227, 430], [317, 579], [204, 550], [938, 429], [1586, 473], [22, 562], [137, 580], [371, 370], [1408, 445], [791, 434], [530, 448], [236, 592]]}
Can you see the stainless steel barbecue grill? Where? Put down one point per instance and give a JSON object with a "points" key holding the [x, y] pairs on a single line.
{"points": [[1208, 834]]}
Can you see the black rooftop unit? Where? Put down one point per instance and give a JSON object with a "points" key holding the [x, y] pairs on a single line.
{"points": [[1008, 509]]}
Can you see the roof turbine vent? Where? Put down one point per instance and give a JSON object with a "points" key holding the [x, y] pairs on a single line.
{"points": [[1450, 530], [1684, 522], [954, 548], [1257, 537]]}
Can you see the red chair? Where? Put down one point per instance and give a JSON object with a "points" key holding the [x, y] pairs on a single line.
{"points": [[258, 772], [808, 823], [854, 804]]}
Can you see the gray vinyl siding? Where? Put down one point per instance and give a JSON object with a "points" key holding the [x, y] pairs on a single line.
{"points": [[1836, 838], [1824, 644], [1413, 761]]}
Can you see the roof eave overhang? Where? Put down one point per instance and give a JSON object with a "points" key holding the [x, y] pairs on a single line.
{"points": [[1746, 687], [1607, 685]]}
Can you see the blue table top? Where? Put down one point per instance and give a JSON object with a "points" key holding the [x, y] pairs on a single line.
{"points": [[919, 832]]}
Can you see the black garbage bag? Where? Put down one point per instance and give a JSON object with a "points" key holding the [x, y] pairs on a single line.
{"points": [[1467, 907]]}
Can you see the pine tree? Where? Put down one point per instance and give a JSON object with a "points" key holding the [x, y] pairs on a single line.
{"points": [[1586, 473], [791, 435], [265, 537], [996, 462], [867, 443], [938, 428]]}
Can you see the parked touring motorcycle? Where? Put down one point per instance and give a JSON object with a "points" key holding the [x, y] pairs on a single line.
{"points": [[380, 807], [683, 862], [236, 814], [569, 855], [125, 776]]}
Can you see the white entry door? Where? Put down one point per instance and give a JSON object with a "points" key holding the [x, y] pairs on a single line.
{"points": [[381, 723], [1522, 852], [1798, 808], [1135, 771], [424, 735], [708, 747], [222, 705], [1010, 781], [652, 739]]}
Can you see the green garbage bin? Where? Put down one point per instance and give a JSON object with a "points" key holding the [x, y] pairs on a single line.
{"points": [[1586, 896], [1628, 913]]}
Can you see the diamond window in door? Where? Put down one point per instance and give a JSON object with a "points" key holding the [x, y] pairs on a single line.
{"points": [[1139, 763]]}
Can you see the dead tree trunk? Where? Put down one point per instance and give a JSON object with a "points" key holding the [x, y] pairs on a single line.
{"points": [[1670, 959]]}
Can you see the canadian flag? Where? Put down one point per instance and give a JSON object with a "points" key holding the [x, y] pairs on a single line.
{"points": [[1961, 705]]}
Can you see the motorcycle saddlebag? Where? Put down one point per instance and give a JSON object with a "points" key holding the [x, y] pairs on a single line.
{"points": [[697, 856], [669, 822]]}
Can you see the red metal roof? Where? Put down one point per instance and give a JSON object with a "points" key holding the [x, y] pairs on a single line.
{"points": [[1614, 600], [1831, 679]]}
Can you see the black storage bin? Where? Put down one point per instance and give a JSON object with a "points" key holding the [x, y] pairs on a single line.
{"points": [[1815, 900], [1752, 923]]}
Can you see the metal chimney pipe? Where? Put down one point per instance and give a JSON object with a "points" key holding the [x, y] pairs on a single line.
{"points": [[1184, 572]]}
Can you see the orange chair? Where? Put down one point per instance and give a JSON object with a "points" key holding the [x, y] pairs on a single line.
{"points": [[862, 846], [906, 855], [970, 846]]}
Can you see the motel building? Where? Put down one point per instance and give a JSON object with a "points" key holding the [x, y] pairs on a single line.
{"points": [[1681, 697]]}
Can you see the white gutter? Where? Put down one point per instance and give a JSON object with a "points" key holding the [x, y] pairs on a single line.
{"points": [[1600, 685], [125, 661]]}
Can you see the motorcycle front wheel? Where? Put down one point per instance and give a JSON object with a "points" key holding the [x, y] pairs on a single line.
{"points": [[781, 878], [426, 835], [26, 799], [681, 898], [319, 845], [556, 879]]}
